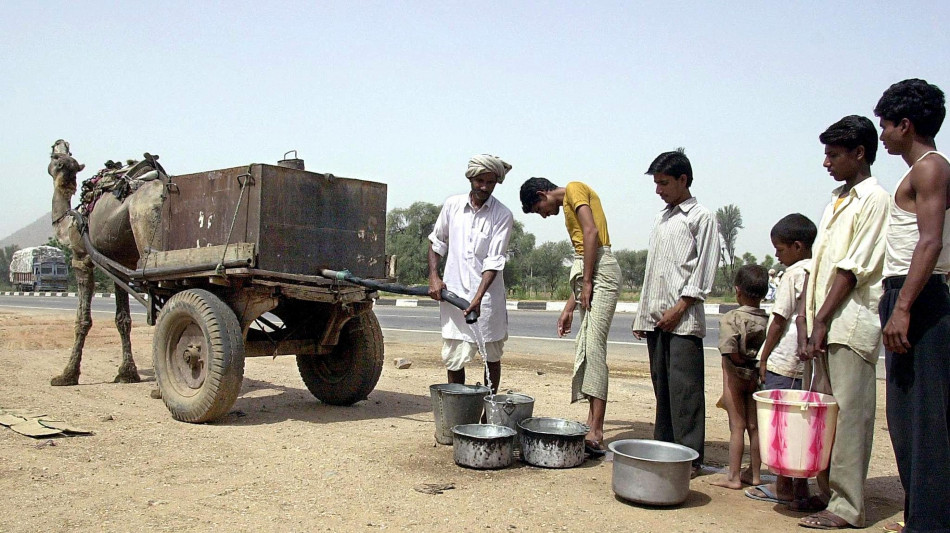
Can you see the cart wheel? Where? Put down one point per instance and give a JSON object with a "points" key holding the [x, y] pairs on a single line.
{"points": [[350, 373], [198, 356]]}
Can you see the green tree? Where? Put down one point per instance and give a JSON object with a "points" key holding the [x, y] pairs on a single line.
{"points": [[518, 267], [547, 265], [407, 237], [633, 264], [729, 220], [768, 262], [6, 256], [749, 259]]}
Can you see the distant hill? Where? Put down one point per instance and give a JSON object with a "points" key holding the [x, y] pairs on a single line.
{"points": [[34, 234]]}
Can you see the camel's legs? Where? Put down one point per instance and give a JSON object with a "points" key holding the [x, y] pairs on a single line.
{"points": [[123, 322], [85, 285]]}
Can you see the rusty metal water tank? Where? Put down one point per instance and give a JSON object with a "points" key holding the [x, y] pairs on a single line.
{"points": [[291, 162]]}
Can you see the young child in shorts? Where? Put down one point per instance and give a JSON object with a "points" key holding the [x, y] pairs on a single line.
{"points": [[741, 334], [779, 365]]}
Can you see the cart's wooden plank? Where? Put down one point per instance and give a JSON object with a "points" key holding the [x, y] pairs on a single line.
{"points": [[201, 257]]}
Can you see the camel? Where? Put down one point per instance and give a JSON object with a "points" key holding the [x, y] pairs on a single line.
{"points": [[121, 229]]}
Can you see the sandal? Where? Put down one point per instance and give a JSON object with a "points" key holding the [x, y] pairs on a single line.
{"points": [[894, 527], [594, 448], [824, 520]]}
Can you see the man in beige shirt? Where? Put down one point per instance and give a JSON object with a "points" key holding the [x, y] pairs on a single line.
{"points": [[841, 299]]}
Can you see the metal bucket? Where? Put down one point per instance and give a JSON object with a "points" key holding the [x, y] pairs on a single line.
{"points": [[483, 446], [508, 409], [455, 404], [552, 442], [651, 471]]}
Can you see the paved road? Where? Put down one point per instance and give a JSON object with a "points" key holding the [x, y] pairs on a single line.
{"points": [[411, 324], [522, 323]]}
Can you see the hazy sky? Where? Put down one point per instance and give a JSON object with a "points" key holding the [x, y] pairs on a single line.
{"points": [[405, 92]]}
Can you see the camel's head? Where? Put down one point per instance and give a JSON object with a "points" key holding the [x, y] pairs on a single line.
{"points": [[63, 167]]}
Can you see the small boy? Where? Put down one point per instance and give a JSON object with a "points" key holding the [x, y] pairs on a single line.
{"points": [[779, 365], [741, 334]]}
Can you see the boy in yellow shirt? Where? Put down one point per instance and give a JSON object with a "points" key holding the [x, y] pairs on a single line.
{"points": [[595, 284]]}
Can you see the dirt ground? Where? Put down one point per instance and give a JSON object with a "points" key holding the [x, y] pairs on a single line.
{"points": [[281, 461]]}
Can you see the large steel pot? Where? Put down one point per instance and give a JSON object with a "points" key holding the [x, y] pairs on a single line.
{"points": [[651, 471], [552, 442], [483, 446], [508, 409], [454, 404]]}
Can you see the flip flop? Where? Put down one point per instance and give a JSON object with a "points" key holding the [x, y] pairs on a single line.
{"points": [[894, 527], [766, 495], [824, 520], [593, 449]]}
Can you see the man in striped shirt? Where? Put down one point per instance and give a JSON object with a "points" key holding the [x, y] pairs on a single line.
{"points": [[680, 270]]}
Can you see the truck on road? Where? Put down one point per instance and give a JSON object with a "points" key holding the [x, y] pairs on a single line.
{"points": [[39, 268]]}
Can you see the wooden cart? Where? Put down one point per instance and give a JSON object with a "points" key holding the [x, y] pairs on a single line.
{"points": [[243, 242]]}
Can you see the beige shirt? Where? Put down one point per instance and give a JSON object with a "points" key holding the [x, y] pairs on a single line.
{"points": [[851, 238]]}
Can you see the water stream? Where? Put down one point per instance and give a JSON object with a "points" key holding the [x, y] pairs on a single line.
{"points": [[480, 341]]}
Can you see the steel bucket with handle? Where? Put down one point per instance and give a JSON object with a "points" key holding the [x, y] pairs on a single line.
{"points": [[508, 409], [455, 404]]}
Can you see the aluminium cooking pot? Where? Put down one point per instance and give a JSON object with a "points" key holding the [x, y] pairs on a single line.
{"points": [[552, 442], [651, 471], [483, 446]]}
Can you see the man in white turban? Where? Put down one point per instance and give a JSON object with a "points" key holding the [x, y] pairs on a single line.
{"points": [[472, 234]]}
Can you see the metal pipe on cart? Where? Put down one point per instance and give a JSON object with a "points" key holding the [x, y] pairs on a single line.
{"points": [[447, 295]]}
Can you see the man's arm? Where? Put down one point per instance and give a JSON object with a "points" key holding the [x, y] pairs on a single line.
{"points": [[929, 182], [495, 258], [488, 277], [841, 287], [435, 282], [591, 239], [801, 321], [438, 248]]}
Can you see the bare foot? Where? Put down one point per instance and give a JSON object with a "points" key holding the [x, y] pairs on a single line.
{"points": [[747, 478], [725, 482]]}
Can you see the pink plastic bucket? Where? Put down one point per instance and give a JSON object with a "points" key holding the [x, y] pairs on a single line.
{"points": [[796, 430]]}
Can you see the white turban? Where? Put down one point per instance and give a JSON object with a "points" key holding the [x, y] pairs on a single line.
{"points": [[481, 164]]}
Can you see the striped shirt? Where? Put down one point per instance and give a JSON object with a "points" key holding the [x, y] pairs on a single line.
{"points": [[682, 261]]}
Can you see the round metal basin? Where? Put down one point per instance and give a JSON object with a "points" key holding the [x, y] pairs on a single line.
{"points": [[651, 472], [483, 446], [552, 442]]}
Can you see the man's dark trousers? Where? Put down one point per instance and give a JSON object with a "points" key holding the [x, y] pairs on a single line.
{"points": [[918, 404], [678, 373]]}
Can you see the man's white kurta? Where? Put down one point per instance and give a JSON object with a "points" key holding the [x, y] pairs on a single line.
{"points": [[472, 242]]}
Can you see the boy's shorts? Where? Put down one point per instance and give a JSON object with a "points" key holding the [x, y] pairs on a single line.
{"points": [[778, 381], [457, 353]]}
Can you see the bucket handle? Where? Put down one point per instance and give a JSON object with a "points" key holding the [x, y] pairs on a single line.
{"points": [[289, 151], [509, 407], [811, 384]]}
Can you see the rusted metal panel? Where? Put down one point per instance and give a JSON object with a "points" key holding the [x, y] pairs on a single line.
{"points": [[316, 220], [299, 221]]}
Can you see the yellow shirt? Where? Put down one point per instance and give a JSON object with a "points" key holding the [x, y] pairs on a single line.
{"points": [[577, 194]]}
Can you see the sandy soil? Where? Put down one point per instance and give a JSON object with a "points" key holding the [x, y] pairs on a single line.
{"points": [[281, 461]]}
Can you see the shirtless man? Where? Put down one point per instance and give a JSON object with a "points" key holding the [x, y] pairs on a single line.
{"points": [[915, 308]]}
